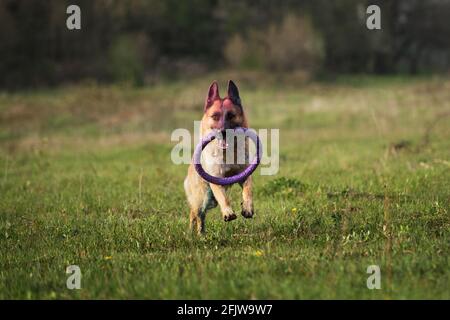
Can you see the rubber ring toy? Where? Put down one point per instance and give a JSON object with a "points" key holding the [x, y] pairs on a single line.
{"points": [[240, 177]]}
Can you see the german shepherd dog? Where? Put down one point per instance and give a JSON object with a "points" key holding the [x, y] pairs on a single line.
{"points": [[219, 114]]}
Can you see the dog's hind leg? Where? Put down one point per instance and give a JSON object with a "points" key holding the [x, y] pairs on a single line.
{"points": [[197, 216], [209, 202], [201, 199], [193, 219], [195, 193]]}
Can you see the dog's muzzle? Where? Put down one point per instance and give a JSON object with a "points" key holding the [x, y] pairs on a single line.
{"points": [[222, 139]]}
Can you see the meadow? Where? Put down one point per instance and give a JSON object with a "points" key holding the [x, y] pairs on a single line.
{"points": [[86, 179]]}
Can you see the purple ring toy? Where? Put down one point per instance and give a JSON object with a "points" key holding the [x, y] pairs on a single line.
{"points": [[236, 178]]}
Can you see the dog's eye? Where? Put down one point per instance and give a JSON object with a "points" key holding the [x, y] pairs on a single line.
{"points": [[216, 116]]}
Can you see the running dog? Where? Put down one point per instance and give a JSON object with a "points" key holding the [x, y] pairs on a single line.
{"points": [[220, 115]]}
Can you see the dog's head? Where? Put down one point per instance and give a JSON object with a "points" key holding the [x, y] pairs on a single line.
{"points": [[221, 114]]}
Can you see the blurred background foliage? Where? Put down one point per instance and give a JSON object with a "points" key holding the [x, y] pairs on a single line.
{"points": [[143, 41]]}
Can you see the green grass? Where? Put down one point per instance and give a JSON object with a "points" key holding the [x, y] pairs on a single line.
{"points": [[86, 179]]}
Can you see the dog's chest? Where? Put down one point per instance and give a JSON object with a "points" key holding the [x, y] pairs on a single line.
{"points": [[215, 161]]}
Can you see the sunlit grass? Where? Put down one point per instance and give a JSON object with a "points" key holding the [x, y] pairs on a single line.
{"points": [[86, 179]]}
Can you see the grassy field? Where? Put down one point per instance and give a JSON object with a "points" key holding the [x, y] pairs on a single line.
{"points": [[86, 179]]}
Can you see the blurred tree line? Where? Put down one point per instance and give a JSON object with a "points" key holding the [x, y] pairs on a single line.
{"points": [[140, 41]]}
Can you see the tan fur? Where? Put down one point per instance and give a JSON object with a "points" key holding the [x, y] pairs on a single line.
{"points": [[219, 114]]}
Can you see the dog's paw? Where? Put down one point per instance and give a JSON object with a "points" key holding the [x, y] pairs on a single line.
{"points": [[229, 217], [247, 213]]}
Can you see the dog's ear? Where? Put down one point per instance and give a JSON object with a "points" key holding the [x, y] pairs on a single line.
{"points": [[213, 94], [233, 93]]}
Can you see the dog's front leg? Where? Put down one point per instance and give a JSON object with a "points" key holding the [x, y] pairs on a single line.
{"points": [[221, 197], [247, 198]]}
